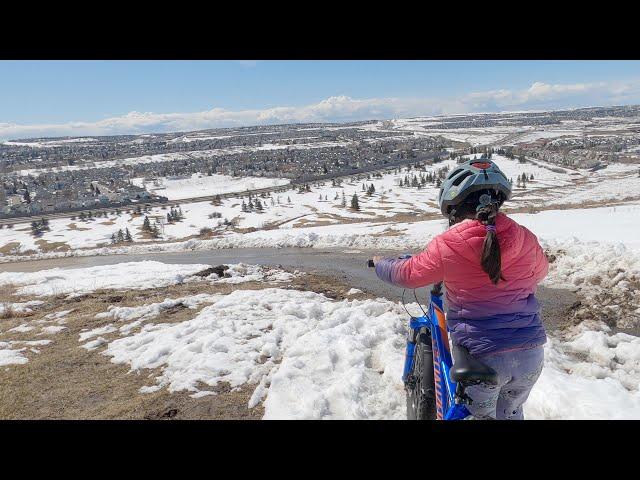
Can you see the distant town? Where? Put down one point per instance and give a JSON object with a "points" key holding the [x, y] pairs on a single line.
{"points": [[47, 175]]}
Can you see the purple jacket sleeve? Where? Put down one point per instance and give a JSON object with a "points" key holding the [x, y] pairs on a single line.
{"points": [[418, 271]]}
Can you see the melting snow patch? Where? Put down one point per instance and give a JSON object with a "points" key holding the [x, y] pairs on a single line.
{"points": [[78, 281], [20, 308], [58, 315], [9, 356], [92, 345], [21, 328], [53, 329], [319, 358], [97, 331], [14, 356]]}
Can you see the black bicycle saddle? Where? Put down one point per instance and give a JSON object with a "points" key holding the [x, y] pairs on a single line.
{"points": [[470, 371]]}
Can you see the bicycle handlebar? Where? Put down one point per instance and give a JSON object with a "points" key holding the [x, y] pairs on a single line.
{"points": [[404, 256]]}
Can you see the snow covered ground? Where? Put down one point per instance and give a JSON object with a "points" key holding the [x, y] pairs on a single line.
{"points": [[308, 356], [199, 185], [294, 217], [124, 276]]}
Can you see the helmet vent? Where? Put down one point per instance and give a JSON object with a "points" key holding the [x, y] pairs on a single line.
{"points": [[459, 180]]}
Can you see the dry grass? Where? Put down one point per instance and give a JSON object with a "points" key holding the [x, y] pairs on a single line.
{"points": [[6, 310], [74, 226], [46, 246], [65, 381], [11, 248]]}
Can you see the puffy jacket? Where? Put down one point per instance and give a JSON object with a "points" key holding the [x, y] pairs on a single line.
{"points": [[484, 317]]}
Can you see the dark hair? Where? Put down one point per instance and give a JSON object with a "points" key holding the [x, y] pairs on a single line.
{"points": [[490, 259]]}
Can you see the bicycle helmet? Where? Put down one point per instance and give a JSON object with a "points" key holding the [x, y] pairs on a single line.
{"points": [[469, 177]]}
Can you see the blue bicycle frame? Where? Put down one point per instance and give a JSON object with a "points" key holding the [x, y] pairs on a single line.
{"points": [[445, 390]]}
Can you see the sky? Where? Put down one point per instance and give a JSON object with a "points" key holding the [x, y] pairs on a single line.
{"points": [[76, 98]]}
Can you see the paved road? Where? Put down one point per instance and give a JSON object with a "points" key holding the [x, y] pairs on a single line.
{"points": [[348, 265]]}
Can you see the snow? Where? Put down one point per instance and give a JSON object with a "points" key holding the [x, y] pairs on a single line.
{"points": [[20, 307], [336, 347], [9, 356], [135, 316], [199, 185], [287, 218], [23, 328], [571, 389], [78, 281], [53, 329], [15, 356], [309, 357]]}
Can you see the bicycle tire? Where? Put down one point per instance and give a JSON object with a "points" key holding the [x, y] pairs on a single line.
{"points": [[421, 395]]}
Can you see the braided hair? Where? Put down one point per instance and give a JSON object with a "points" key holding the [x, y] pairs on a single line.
{"points": [[483, 205]]}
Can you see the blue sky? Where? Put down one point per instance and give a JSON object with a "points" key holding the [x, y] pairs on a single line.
{"points": [[102, 97]]}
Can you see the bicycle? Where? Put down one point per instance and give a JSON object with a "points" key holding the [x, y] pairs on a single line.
{"points": [[435, 373]]}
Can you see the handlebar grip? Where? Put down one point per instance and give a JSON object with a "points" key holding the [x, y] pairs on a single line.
{"points": [[370, 263]]}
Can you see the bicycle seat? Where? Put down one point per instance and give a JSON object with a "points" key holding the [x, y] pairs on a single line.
{"points": [[470, 371]]}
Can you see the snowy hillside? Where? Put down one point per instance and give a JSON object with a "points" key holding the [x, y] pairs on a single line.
{"points": [[299, 213], [302, 355], [199, 185]]}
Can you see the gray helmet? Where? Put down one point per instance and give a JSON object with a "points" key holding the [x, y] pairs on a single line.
{"points": [[469, 177]]}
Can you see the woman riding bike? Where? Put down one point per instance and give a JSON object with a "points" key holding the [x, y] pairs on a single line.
{"points": [[491, 267]]}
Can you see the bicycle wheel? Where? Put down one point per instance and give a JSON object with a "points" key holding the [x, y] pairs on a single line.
{"points": [[421, 398]]}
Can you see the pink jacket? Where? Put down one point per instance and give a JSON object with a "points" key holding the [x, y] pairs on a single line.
{"points": [[486, 318]]}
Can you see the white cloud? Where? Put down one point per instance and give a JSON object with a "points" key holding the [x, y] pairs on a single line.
{"points": [[342, 108]]}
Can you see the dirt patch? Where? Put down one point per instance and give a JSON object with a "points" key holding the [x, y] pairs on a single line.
{"points": [[73, 226], [11, 248], [46, 246]]}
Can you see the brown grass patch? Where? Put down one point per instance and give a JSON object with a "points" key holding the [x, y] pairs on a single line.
{"points": [[46, 246], [74, 226], [11, 248]]}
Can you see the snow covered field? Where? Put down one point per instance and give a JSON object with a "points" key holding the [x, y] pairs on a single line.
{"points": [[299, 218], [203, 185], [304, 355]]}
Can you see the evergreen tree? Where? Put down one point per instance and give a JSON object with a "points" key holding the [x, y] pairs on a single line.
{"points": [[146, 225], [355, 204], [120, 236], [127, 235]]}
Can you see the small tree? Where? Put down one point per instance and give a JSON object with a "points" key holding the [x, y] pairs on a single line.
{"points": [[355, 204], [127, 236], [146, 224]]}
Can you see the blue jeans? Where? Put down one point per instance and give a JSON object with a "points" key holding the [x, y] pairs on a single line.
{"points": [[518, 372]]}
